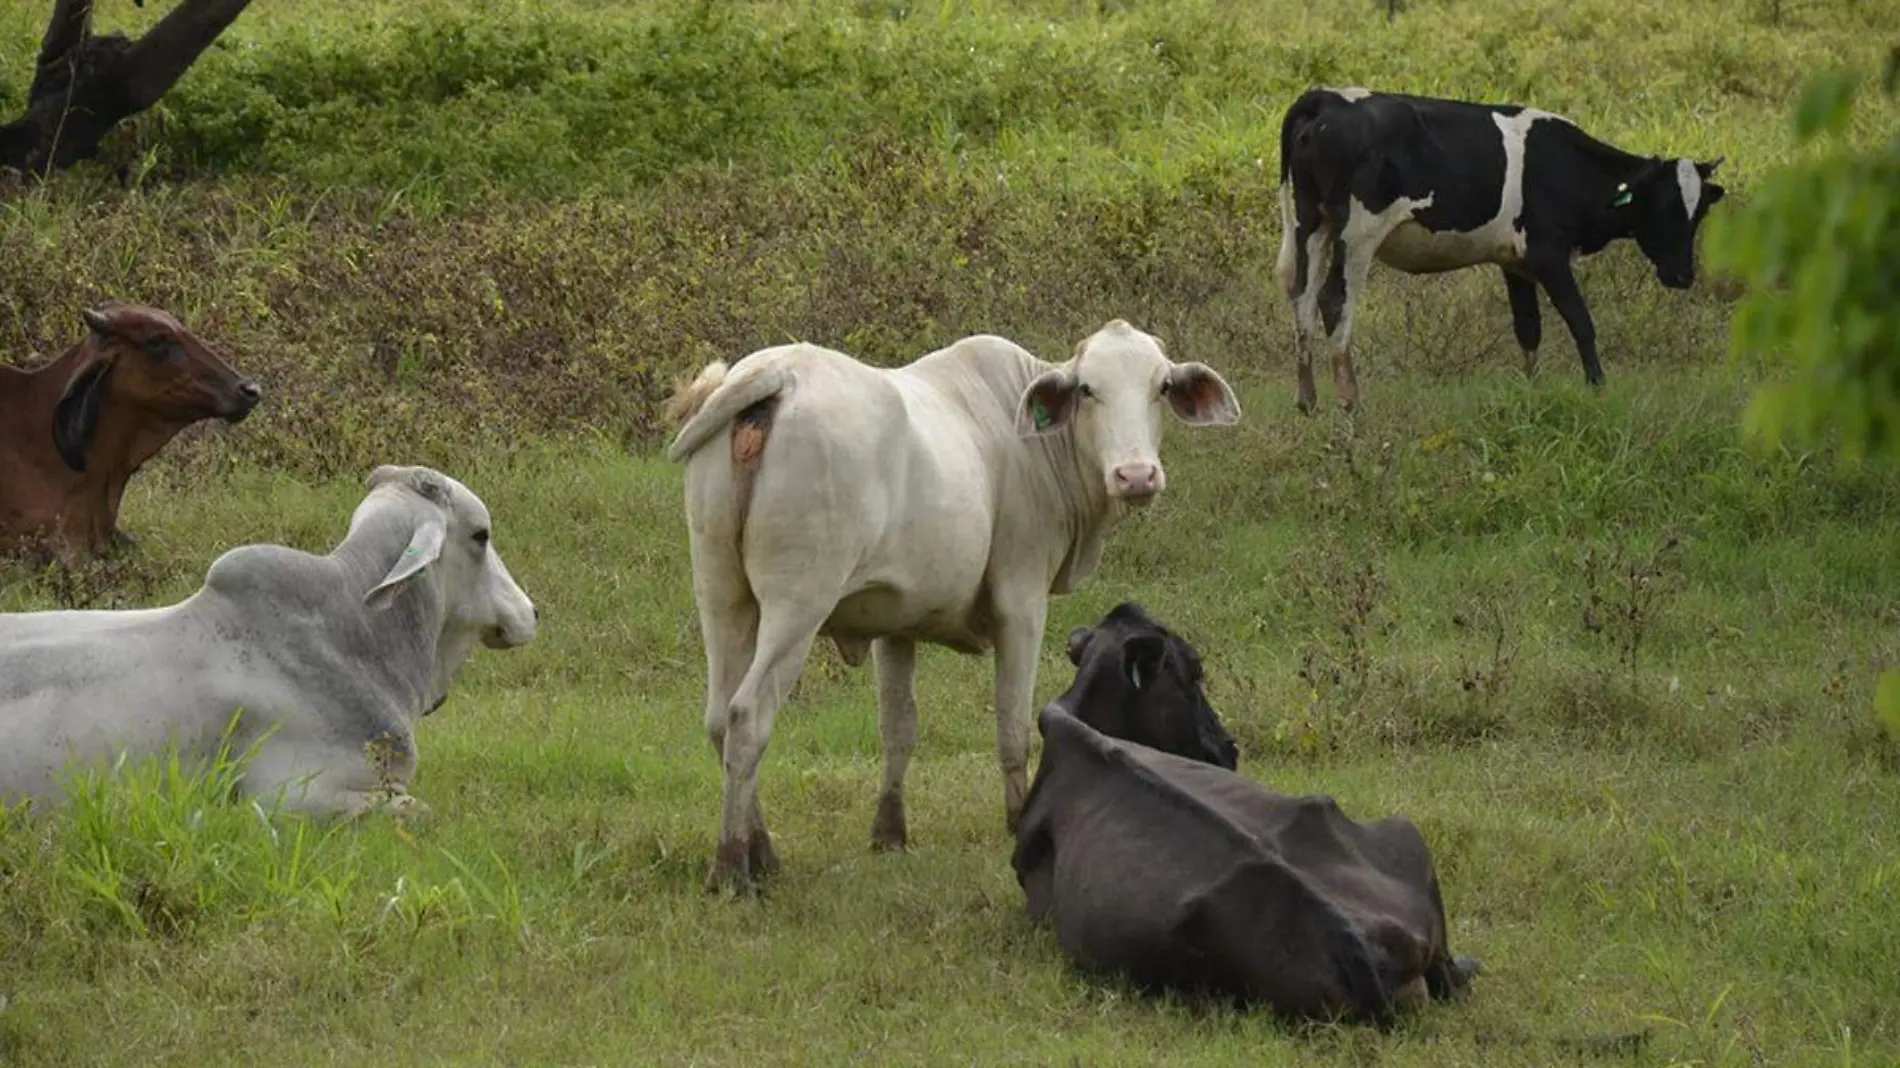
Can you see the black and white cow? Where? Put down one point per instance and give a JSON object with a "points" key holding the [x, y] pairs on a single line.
{"points": [[1428, 185]]}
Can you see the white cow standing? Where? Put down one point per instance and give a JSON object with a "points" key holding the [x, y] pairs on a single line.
{"points": [[332, 659], [940, 502]]}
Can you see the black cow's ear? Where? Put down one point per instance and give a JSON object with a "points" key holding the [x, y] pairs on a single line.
{"points": [[1078, 641], [76, 416], [1141, 659]]}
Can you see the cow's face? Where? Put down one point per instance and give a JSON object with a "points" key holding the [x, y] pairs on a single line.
{"points": [[1136, 681], [1664, 206], [143, 360], [1111, 396], [452, 545]]}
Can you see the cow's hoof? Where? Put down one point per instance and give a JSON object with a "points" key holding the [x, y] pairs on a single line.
{"points": [[1466, 968], [732, 871], [888, 834], [763, 857], [1305, 406], [123, 542]]}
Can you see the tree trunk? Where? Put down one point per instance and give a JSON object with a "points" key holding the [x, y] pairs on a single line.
{"points": [[87, 84]]}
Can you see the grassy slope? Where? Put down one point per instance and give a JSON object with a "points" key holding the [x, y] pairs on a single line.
{"points": [[1707, 838]]}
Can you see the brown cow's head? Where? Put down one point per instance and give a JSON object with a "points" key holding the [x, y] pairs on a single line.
{"points": [[144, 360]]}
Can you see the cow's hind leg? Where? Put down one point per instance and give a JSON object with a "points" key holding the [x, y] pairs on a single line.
{"points": [[786, 632], [1316, 259], [729, 620], [897, 728], [1335, 309], [1525, 320]]}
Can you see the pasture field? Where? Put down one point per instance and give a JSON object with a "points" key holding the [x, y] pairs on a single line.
{"points": [[1617, 665]]}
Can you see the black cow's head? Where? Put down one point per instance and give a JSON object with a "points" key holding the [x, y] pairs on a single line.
{"points": [[1662, 206], [1136, 681]]}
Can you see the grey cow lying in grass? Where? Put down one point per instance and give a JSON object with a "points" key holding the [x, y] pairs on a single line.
{"points": [[330, 660], [1152, 859]]}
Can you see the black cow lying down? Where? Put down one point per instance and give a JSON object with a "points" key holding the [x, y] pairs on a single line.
{"points": [[1163, 865]]}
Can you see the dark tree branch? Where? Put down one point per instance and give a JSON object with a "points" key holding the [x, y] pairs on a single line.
{"points": [[86, 83], [168, 50]]}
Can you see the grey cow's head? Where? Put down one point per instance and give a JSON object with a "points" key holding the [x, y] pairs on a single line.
{"points": [[1111, 395], [1662, 207], [1137, 681], [451, 548]]}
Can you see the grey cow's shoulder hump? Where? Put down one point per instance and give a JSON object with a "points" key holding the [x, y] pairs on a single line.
{"points": [[257, 575]]}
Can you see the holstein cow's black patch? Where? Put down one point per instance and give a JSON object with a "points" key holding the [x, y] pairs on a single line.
{"points": [[1428, 185], [1164, 866]]}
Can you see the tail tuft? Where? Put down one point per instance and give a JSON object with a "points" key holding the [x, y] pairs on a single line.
{"points": [[689, 396]]}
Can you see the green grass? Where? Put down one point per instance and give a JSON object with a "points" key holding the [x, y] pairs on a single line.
{"points": [[1619, 668]]}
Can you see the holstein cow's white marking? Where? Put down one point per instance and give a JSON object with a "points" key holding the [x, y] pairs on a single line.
{"points": [[330, 660], [941, 502], [1428, 185], [1690, 181]]}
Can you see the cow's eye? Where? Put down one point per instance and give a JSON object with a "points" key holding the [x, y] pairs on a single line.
{"points": [[162, 348], [1166, 386], [1085, 390], [481, 537]]}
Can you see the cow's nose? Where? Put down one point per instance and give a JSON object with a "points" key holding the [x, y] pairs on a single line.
{"points": [[250, 391], [1137, 482]]}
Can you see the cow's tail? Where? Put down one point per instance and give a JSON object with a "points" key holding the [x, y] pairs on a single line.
{"points": [[1293, 128], [718, 396], [1302, 112]]}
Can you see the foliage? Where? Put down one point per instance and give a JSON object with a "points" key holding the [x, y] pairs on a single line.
{"points": [[1820, 244]]}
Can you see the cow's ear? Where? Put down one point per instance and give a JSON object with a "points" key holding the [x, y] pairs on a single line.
{"points": [[98, 320], [76, 415], [1078, 641], [424, 547], [1707, 170], [1200, 396], [1047, 404], [1141, 659], [1711, 195]]}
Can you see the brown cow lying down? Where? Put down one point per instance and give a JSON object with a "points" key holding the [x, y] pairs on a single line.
{"points": [[1164, 866], [73, 432]]}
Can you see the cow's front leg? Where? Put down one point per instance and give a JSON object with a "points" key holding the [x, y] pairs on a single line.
{"points": [[1561, 284], [1019, 635], [1525, 320], [896, 660]]}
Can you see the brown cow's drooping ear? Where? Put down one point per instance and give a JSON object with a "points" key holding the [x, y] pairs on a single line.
{"points": [[76, 416], [1047, 404], [1200, 396]]}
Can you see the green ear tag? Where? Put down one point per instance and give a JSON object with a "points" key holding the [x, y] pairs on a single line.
{"points": [[1040, 414], [1623, 196]]}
